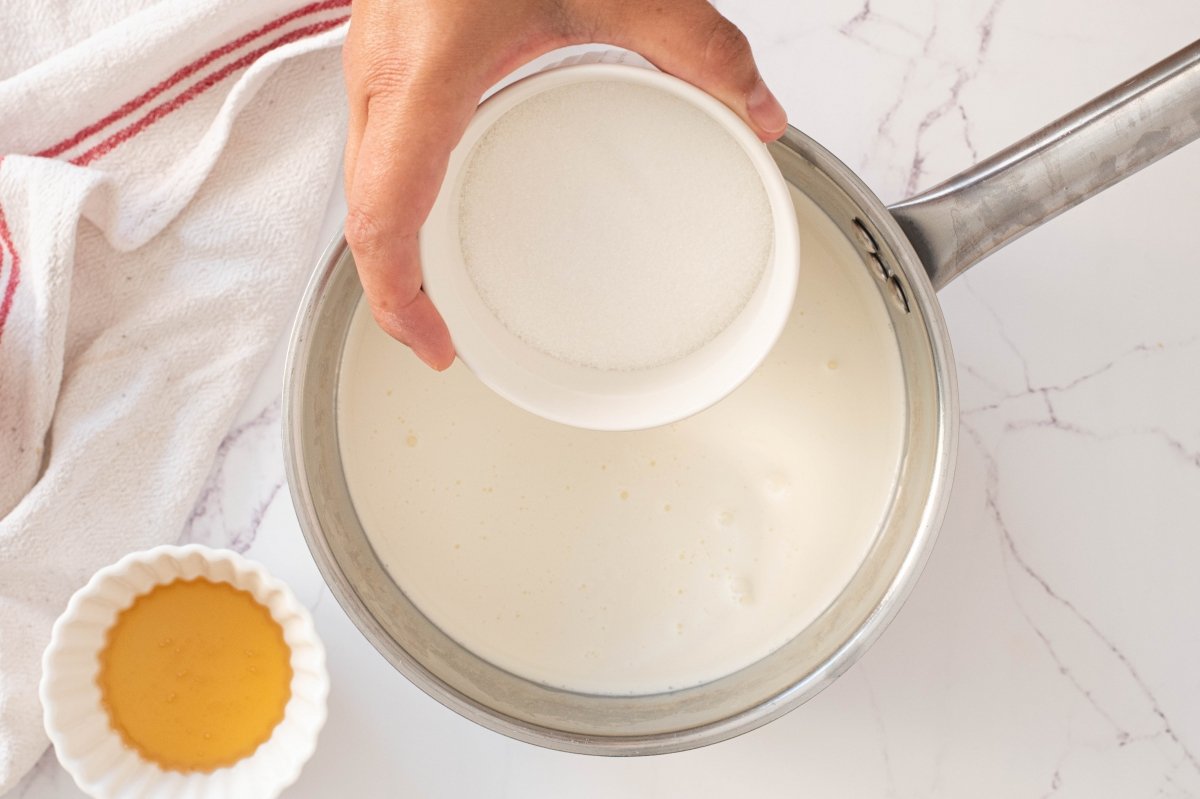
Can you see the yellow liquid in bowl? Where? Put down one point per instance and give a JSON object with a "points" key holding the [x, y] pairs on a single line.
{"points": [[195, 675]]}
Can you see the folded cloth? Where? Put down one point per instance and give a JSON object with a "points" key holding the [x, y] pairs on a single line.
{"points": [[163, 168]]}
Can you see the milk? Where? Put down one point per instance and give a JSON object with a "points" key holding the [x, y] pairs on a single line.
{"points": [[634, 563]]}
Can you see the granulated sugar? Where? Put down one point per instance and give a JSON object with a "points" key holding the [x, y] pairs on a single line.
{"points": [[613, 225]]}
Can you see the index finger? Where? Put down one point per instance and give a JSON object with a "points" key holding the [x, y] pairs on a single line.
{"points": [[401, 159]]}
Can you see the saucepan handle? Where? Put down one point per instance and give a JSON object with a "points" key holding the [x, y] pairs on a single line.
{"points": [[955, 224]]}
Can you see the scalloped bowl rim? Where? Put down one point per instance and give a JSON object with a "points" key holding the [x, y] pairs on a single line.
{"points": [[77, 725]]}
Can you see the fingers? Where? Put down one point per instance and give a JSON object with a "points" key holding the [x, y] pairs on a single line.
{"points": [[414, 75], [396, 173], [401, 134], [691, 40]]}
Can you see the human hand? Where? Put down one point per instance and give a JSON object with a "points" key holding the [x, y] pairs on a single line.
{"points": [[415, 71]]}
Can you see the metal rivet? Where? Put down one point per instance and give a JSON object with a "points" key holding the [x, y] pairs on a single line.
{"points": [[865, 239], [898, 293], [881, 269]]}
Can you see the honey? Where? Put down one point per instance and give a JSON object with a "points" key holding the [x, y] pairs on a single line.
{"points": [[195, 675]]}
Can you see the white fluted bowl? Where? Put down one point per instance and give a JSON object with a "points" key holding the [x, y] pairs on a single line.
{"points": [[78, 725]]}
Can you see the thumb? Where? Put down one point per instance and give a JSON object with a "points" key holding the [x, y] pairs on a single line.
{"points": [[691, 40]]}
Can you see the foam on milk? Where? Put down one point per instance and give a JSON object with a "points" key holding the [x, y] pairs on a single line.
{"points": [[613, 225], [633, 563]]}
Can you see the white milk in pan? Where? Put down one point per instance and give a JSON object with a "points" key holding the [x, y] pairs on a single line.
{"points": [[632, 563]]}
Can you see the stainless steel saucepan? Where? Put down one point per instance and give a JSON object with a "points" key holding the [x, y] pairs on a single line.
{"points": [[912, 249]]}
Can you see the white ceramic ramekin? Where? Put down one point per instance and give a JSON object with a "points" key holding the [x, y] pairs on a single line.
{"points": [[94, 754], [579, 395]]}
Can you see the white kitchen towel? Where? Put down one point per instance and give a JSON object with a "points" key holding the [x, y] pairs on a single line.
{"points": [[163, 168]]}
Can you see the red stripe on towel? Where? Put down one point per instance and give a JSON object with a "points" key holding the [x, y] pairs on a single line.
{"points": [[162, 110], [14, 274], [188, 71]]}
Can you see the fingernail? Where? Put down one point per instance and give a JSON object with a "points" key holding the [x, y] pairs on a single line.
{"points": [[438, 361], [428, 358], [432, 346], [434, 353], [764, 110]]}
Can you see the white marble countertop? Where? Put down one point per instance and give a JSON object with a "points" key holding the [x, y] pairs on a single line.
{"points": [[1051, 646]]}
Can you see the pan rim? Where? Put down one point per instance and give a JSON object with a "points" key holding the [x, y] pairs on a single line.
{"points": [[809, 685]]}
